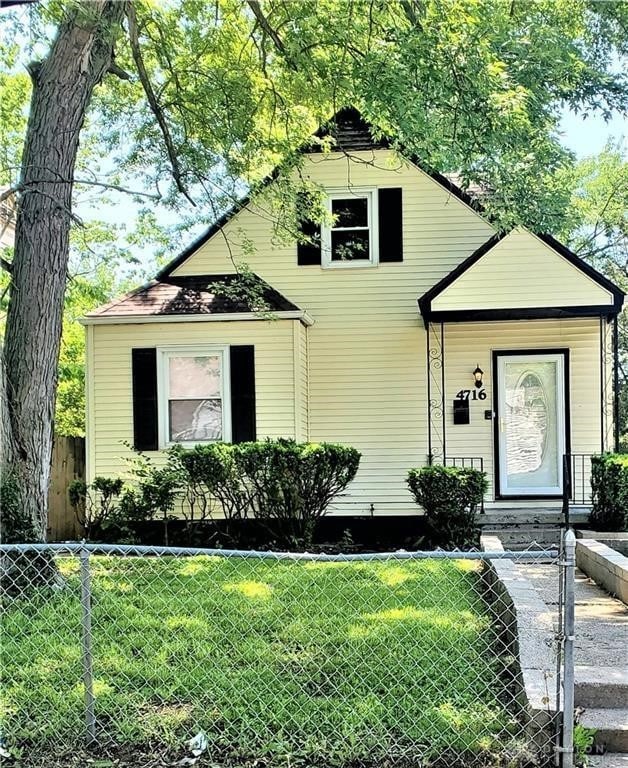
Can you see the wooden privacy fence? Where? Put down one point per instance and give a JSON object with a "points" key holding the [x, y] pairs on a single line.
{"points": [[68, 463]]}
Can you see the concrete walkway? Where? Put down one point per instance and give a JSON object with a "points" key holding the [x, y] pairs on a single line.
{"points": [[601, 658], [601, 620]]}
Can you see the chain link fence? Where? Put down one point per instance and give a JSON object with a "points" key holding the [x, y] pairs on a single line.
{"points": [[156, 656]]}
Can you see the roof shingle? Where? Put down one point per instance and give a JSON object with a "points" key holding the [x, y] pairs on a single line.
{"points": [[195, 295]]}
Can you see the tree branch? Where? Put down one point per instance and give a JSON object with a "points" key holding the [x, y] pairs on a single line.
{"points": [[153, 102], [114, 69], [6, 265], [270, 31], [86, 182]]}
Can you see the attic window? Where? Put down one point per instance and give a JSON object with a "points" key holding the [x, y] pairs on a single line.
{"points": [[351, 240]]}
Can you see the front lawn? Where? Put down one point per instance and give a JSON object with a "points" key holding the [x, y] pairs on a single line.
{"points": [[293, 663]]}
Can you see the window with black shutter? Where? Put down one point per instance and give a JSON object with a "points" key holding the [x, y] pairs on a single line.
{"points": [[192, 395]]}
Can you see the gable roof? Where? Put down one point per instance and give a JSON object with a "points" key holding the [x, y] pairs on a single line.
{"points": [[351, 133], [198, 295], [597, 294]]}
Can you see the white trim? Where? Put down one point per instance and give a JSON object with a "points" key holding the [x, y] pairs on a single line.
{"points": [[163, 354], [296, 384], [343, 193], [299, 314], [560, 405], [90, 427], [569, 263]]}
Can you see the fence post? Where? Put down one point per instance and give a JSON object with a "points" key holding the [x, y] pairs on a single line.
{"points": [[568, 650], [86, 643]]}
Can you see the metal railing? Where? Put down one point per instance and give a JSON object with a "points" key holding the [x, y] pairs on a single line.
{"points": [[576, 482], [472, 462]]}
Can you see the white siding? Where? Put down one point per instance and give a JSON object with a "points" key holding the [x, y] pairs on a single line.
{"points": [[110, 405], [367, 344], [467, 344], [521, 271]]}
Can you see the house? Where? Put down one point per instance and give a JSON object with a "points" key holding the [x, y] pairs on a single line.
{"points": [[409, 328], [7, 222]]}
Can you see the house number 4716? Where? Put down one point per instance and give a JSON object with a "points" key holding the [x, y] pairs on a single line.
{"points": [[471, 394]]}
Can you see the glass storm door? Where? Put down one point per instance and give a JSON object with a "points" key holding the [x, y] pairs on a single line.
{"points": [[531, 424]]}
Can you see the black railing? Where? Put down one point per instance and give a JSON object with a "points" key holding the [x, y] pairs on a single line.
{"points": [[471, 462], [576, 481]]}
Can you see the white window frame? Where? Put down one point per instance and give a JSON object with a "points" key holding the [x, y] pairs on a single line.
{"points": [[370, 193], [164, 354]]}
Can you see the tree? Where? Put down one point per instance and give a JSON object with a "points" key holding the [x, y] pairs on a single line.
{"points": [[63, 84], [207, 98], [596, 228]]}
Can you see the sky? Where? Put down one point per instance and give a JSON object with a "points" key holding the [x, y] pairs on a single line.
{"points": [[587, 136], [584, 136]]}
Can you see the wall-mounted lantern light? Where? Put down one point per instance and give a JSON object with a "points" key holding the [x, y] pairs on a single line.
{"points": [[477, 375]]}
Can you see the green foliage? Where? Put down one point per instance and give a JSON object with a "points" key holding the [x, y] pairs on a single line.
{"points": [[15, 87], [14, 527], [473, 86], [105, 507], [583, 739], [449, 497], [595, 226], [609, 492], [280, 481], [294, 483], [271, 660], [469, 86]]}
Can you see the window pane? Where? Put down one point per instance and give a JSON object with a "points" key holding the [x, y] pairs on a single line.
{"points": [[350, 212], [532, 442], [350, 245], [194, 376], [195, 420]]}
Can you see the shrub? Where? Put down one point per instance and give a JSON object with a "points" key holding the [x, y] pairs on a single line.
{"points": [[609, 492], [104, 507], [214, 471], [14, 525], [449, 497], [287, 484], [293, 483]]}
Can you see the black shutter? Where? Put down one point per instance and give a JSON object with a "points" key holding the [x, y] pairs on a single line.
{"points": [[243, 427], [390, 212], [308, 253], [144, 366]]}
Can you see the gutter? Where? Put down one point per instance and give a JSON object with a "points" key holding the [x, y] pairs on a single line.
{"points": [[301, 315]]}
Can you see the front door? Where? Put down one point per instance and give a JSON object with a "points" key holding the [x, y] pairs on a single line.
{"points": [[530, 423]]}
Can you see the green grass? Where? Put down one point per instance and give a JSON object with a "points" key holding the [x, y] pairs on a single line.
{"points": [[292, 662]]}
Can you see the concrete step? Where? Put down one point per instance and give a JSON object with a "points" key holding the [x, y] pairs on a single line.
{"points": [[504, 517], [600, 687], [609, 760], [524, 537], [611, 728]]}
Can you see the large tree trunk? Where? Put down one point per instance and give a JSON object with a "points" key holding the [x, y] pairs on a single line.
{"points": [[63, 84]]}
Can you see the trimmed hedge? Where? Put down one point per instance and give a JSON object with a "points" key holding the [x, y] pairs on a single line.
{"points": [[449, 497], [609, 492], [286, 484]]}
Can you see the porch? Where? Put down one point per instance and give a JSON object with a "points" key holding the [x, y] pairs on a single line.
{"points": [[521, 370]]}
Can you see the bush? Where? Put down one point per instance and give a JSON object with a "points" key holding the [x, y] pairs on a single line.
{"points": [[104, 507], [14, 525], [293, 483], [609, 492], [286, 483], [449, 497]]}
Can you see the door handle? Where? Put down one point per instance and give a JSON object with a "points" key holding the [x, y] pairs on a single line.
{"points": [[501, 425]]}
